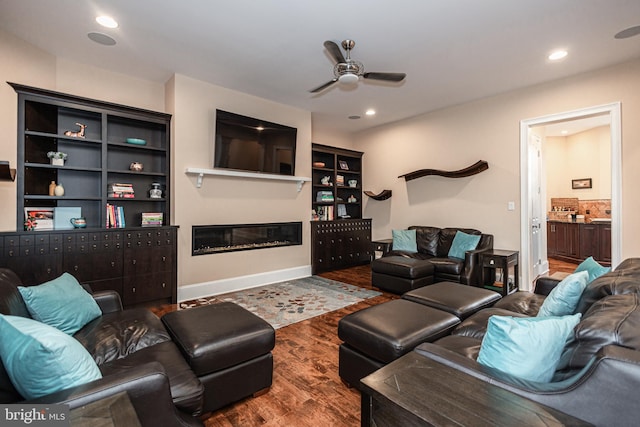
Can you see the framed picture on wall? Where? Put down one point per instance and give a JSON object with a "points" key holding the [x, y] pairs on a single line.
{"points": [[343, 165], [577, 184]]}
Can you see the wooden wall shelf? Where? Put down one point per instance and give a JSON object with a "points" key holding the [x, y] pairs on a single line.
{"points": [[383, 195], [476, 168], [6, 173]]}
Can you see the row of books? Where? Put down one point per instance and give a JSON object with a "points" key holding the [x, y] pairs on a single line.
{"points": [[115, 216], [120, 190], [325, 213]]}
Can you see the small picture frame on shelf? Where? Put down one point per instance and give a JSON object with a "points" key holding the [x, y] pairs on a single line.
{"points": [[578, 184], [343, 165], [39, 218]]}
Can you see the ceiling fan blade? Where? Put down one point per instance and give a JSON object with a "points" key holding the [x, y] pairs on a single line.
{"points": [[391, 77], [335, 51], [323, 86]]}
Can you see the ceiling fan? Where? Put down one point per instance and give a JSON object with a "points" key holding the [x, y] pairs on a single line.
{"points": [[347, 70]]}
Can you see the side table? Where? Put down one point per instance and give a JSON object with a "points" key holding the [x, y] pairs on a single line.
{"points": [[417, 391], [381, 247], [503, 281]]}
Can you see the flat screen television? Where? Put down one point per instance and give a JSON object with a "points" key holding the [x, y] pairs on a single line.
{"points": [[248, 144]]}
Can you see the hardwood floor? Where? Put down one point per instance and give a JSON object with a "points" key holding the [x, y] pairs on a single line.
{"points": [[306, 390]]}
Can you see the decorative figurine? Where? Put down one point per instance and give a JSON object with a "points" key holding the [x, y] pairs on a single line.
{"points": [[136, 167], [79, 133], [325, 180]]}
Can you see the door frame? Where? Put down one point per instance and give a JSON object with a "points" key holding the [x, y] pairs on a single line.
{"points": [[613, 110]]}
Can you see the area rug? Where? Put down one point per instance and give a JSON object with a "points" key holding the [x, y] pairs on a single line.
{"points": [[284, 303]]}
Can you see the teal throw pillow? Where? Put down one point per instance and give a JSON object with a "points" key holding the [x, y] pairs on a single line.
{"points": [[526, 347], [594, 269], [40, 359], [463, 242], [62, 303], [404, 240], [563, 299]]}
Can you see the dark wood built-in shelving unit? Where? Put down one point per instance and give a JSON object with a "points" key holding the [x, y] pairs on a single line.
{"points": [[341, 238], [140, 263]]}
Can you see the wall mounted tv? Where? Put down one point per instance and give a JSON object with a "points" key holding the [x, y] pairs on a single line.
{"points": [[248, 144]]}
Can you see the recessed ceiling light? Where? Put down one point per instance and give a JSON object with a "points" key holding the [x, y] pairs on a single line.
{"points": [[564, 132], [370, 112], [102, 39], [628, 32], [107, 21], [557, 55], [354, 117]]}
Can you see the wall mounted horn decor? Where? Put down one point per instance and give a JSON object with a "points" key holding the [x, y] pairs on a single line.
{"points": [[476, 168]]}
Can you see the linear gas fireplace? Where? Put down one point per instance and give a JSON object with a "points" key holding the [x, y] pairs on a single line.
{"points": [[215, 239]]}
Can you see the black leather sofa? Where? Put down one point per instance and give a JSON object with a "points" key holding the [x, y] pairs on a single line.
{"points": [[400, 271], [599, 373], [136, 353]]}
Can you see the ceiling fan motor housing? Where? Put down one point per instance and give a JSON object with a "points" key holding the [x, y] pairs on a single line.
{"points": [[348, 72]]}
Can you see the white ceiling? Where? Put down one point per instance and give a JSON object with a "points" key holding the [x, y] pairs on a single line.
{"points": [[453, 51]]}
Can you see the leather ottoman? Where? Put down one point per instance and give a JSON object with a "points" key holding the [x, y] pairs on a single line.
{"points": [[398, 274], [460, 300], [228, 348], [377, 335]]}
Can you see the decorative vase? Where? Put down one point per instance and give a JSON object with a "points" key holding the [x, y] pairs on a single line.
{"points": [[57, 162], [156, 191], [59, 190], [52, 188]]}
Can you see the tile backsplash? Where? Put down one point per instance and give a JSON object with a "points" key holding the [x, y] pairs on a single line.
{"points": [[561, 207]]}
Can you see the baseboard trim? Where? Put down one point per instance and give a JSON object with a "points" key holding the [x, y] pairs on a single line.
{"points": [[223, 286]]}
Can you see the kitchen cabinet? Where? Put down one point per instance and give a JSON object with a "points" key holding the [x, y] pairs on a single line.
{"points": [[564, 238], [575, 242]]}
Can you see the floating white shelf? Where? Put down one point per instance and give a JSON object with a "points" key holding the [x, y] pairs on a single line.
{"points": [[200, 172]]}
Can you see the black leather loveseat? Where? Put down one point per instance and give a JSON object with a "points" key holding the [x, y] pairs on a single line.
{"points": [[401, 271], [598, 376], [173, 369]]}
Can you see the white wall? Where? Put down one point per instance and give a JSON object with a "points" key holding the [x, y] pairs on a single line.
{"points": [[488, 129], [581, 155], [225, 200], [25, 64]]}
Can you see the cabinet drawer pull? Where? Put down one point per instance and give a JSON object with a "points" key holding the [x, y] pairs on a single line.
{"points": [[49, 270], [75, 268], [164, 285], [491, 262], [134, 261], [133, 290], [113, 263], [164, 259]]}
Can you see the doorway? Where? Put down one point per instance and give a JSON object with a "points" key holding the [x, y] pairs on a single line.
{"points": [[532, 193]]}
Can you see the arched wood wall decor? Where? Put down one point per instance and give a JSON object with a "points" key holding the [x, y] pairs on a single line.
{"points": [[383, 195], [476, 168]]}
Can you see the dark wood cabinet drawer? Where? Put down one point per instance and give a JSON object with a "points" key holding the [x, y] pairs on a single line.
{"points": [[340, 244], [99, 258]]}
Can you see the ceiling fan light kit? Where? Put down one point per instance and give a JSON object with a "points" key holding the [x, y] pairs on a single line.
{"points": [[349, 71]]}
